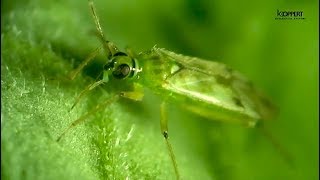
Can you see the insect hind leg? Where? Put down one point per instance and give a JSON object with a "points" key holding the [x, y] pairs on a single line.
{"points": [[277, 145], [164, 132]]}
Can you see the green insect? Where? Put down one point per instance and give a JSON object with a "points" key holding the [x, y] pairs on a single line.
{"points": [[206, 88]]}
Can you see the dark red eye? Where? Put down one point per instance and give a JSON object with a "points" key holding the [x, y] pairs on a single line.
{"points": [[121, 71]]}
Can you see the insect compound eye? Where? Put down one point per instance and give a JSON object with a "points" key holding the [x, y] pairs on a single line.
{"points": [[121, 71]]}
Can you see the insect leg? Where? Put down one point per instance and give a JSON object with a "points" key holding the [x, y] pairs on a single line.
{"points": [[283, 152], [164, 132], [91, 56], [86, 90], [85, 116], [136, 95], [133, 95], [109, 47]]}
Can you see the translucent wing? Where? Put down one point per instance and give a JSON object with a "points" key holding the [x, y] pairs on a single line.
{"points": [[217, 85]]}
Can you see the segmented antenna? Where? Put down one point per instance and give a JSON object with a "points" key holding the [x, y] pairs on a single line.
{"points": [[108, 46]]}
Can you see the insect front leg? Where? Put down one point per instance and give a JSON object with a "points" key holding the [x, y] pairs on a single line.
{"points": [[104, 79], [91, 56], [133, 95], [86, 90], [80, 120], [164, 132], [136, 95]]}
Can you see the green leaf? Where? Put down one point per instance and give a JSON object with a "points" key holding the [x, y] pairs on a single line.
{"points": [[42, 41]]}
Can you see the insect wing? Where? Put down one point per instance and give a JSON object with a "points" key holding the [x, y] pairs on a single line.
{"points": [[217, 85]]}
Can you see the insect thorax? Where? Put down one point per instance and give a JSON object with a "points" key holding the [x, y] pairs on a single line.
{"points": [[157, 68]]}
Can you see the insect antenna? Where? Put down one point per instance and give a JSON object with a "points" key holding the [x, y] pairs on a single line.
{"points": [[109, 47]]}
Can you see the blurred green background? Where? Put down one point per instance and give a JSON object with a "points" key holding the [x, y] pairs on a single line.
{"points": [[41, 41]]}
